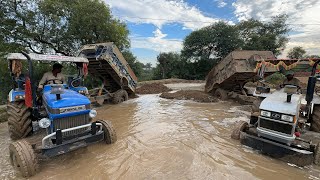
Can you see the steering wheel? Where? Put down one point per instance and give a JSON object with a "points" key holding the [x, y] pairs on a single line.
{"points": [[53, 81]]}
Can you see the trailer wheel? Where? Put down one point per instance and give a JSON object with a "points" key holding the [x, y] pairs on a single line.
{"points": [[120, 96], [110, 135], [315, 125], [23, 158], [19, 120], [221, 94], [317, 155], [240, 127]]}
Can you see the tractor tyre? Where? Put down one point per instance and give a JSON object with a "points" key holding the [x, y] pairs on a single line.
{"points": [[110, 135], [255, 105], [316, 156], [120, 96], [241, 126], [221, 94], [23, 158], [315, 124], [19, 120]]}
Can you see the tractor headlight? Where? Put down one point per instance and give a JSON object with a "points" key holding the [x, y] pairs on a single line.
{"points": [[287, 118], [44, 123], [93, 113], [265, 113], [84, 92], [19, 97]]}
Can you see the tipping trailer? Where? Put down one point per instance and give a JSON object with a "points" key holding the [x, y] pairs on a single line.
{"points": [[107, 63], [235, 70]]}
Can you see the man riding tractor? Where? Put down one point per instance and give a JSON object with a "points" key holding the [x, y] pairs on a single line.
{"points": [[290, 80], [52, 77]]}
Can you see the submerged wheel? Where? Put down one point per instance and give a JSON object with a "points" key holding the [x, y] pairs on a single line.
{"points": [[120, 96], [221, 94], [110, 135], [316, 156], [23, 158], [315, 125], [240, 127], [19, 120]]}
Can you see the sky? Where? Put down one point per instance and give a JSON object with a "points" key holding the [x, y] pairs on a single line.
{"points": [[161, 25]]}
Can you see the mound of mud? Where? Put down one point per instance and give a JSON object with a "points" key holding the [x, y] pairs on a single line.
{"points": [[154, 88], [194, 95]]}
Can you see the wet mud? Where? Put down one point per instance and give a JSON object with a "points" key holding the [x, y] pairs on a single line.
{"points": [[165, 139], [154, 88], [194, 95]]}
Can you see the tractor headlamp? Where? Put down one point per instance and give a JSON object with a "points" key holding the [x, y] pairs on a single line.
{"points": [[287, 118], [19, 97], [44, 123], [265, 113], [93, 113], [84, 92]]}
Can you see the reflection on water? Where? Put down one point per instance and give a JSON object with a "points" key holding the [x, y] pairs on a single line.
{"points": [[166, 139]]}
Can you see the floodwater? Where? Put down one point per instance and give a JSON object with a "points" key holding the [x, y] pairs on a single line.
{"points": [[165, 139]]}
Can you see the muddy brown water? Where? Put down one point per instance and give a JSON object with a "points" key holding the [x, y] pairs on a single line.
{"points": [[165, 139]]}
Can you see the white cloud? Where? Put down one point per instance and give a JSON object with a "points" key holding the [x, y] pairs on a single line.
{"points": [[221, 3], [157, 43], [160, 12], [303, 18]]}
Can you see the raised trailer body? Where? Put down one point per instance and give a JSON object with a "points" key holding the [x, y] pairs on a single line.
{"points": [[107, 63], [236, 69]]}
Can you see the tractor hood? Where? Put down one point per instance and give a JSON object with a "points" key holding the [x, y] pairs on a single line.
{"points": [[68, 99], [276, 102]]}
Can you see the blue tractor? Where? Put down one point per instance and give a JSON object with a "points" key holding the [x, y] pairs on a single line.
{"points": [[55, 121]]}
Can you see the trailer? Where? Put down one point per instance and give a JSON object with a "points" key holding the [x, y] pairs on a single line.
{"points": [[107, 63], [235, 70]]}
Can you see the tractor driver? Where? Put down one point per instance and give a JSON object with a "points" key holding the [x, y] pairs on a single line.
{"points": [[52, 77], [290, 80]]}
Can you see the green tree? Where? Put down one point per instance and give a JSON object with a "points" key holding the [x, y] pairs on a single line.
{"points": [[135, 65], [257, 35], [296, 52], [60, 26], [168, 65]]}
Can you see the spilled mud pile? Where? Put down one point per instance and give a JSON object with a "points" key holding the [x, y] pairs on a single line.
{"points": [[154, 88], [194, 95]]}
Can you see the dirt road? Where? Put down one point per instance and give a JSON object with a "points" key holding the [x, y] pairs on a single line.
{"points": [[165, 139]]}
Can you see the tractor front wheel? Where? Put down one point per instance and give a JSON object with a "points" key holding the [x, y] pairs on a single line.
{"points": [[315, 124], [110, 135], [23, 158], [240, 127], [120, 96], [317, 155], [19, 120], [221, 94]]}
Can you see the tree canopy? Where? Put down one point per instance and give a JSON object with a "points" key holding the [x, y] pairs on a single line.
{"points": [[59, 26], [296, 53]]}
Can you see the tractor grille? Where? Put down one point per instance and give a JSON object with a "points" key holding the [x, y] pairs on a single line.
{"points": [[275, 126], [69, 122]]}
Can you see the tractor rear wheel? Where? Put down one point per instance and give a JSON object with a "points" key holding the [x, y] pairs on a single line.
{"points": [[315, 124], [240, 127], [120, 96], [23, 158], [110, 135], [19, 120], [221, 94]]}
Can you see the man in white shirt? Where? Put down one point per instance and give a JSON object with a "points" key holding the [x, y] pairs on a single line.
{"points": [[52, 77]]}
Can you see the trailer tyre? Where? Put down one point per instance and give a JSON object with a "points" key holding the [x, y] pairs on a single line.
{"points": [[317, 155], [240, 127], [19, 120], [315, 125], [221, 94], [110, 135], [120, 96], [23, 158]]}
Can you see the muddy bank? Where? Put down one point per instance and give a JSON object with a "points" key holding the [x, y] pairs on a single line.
{"points": [[194, 95], [168, 81], [154, 88]]}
